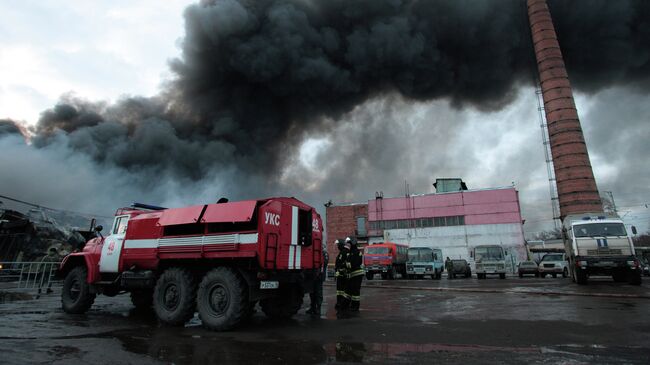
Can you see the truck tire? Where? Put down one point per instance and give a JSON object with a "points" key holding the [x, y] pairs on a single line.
{"points": [[142, 298], [174, 297], [391, 274], [76, 297], [502, 276], [619, 276], [565, 272], [283, 306], [369, 275], [634, 278], [222, 299], [439, 275]]}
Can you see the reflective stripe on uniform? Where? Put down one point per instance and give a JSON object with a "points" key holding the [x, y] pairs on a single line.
{"points": [[356, 298], [356, 273], [342, 293]]}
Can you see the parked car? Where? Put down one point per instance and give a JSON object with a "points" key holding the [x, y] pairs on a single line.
{"points": [[554, 264], [527, 268], [460, 267]]}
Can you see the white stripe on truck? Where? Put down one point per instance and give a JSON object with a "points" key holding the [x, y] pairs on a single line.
{"points": [[243, 239]]}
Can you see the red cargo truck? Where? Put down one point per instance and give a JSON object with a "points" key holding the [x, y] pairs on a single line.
{"points": [[217, 259], [386, 258]]}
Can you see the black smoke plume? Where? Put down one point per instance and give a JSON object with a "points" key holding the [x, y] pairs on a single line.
{"points": [[255, 77]]}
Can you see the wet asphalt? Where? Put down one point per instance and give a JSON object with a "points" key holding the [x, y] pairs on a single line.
{"points": [[401, 322]]}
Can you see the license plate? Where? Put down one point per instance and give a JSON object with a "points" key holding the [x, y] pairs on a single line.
{"points": [[269, 284], [604, 263]]}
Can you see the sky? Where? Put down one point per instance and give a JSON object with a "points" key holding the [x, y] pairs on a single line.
{"points": [[104, 57]]}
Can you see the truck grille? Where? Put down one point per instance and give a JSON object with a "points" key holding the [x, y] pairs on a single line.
{"points": [[549, 265], [604, 252]]}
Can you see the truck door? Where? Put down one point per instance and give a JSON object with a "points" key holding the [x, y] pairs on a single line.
{"points": [[112, 248]]}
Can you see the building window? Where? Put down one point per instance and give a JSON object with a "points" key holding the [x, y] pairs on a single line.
{"points": [[456, 220], [361, 226]]}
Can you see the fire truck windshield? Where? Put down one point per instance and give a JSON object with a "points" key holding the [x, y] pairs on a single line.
{"points": [[599, 229]]}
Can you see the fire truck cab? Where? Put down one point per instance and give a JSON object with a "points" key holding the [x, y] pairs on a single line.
{"points": [[218, 259]]}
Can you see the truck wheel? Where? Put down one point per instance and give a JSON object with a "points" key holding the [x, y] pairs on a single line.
{"points": [[76, 297], [284, 305], [174, 298], [634, 278], [502, 276], [142, 299], [369, 275], [439, 275], [384, 276], [619, 276], [554, 275], [521, 275], [391, 274], [581, 277], [222, 300], [565, 272], [542, 275]]}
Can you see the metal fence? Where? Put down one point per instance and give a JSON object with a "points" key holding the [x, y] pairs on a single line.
{"points": [[29, 276]]}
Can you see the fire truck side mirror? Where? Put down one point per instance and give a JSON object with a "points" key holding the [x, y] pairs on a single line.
{"points": [[99, 228], [633, 230]]}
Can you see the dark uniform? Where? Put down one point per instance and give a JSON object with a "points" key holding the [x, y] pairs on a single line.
{"points": [[355, 277], [316, 296], [449, 266], [342, 298]]}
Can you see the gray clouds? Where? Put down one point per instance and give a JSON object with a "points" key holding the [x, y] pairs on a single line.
{"points": [[256, 78]]}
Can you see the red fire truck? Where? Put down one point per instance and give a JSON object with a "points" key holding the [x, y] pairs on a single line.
{"points": [[217, 259], [386, 258]]}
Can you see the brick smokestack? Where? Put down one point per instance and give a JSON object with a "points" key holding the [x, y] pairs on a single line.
{"points": [[576, 186]]}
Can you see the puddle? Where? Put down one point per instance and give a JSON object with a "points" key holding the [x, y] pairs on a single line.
{"points": [[165, 344], [6, 297]]}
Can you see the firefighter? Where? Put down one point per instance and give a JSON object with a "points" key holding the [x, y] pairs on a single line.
{"points": [[449, 266], [342, 299], [316, 296], [355, 275]]}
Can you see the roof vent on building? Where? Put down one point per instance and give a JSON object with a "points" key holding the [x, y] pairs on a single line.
{"points": [[447, 185]]}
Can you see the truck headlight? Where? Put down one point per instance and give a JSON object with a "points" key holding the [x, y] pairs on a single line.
{"points": [[428, 268]]}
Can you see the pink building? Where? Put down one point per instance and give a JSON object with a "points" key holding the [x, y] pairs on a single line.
{"points": [[454, 220]]}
